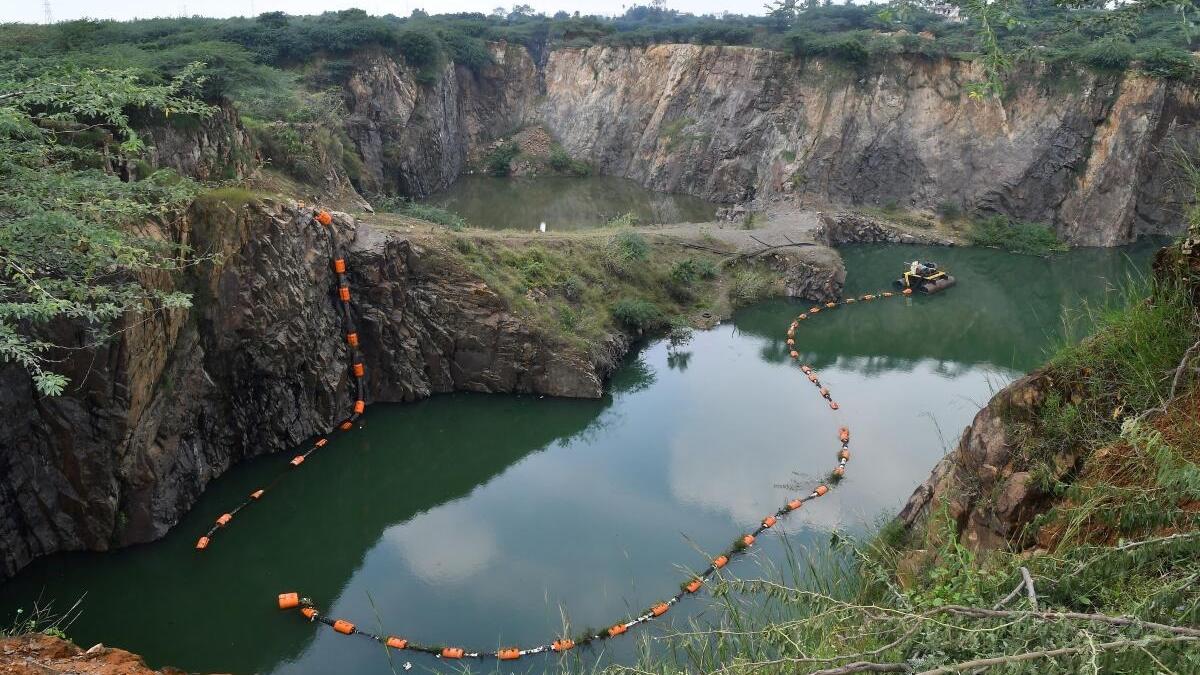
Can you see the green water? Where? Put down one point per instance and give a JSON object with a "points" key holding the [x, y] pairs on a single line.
{"points": [[564, 203], [483, 520]]}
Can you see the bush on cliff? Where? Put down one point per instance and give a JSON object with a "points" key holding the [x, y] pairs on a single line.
{"points": [[73, 247], [1014, 236]]}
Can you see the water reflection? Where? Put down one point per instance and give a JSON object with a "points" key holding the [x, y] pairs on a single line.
{"points": [[564, 203]]}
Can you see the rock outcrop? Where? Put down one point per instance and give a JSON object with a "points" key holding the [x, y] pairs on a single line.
{"points": [[256, 366], [982, 482], [847, 227], [415, 137], [38, 654]]}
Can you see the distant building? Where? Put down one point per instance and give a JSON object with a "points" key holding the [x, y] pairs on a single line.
{"points": [[947, 11]]}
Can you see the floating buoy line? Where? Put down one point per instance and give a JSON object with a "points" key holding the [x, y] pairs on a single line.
{"points": [[308, 609]]}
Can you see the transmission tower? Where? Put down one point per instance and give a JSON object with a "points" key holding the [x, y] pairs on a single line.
{"points": [[49, 15]]}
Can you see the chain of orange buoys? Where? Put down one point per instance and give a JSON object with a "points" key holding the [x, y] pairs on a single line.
{"points": [[356, 368], [308, 609]]}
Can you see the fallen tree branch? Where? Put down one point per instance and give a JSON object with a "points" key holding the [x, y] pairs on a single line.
{"points": [[864, 667], [1049, 654], [1029, 588], [978, 612]]}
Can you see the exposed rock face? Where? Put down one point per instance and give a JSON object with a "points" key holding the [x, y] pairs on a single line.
{"points": [[37, 654], [257, 366], [414, 137], [214, 148], [1086, 153], [986, 492], [847, 227]]}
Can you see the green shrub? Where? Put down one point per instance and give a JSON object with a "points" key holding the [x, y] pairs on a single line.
{"points": [[429, 212], [499, 161], [627, 219], [637, 314], [707, 269], [749, 285], [627, 246], [559, 159], [572, 288], [684, 272], [1014, 236], [1169, 63], [949, 210]]}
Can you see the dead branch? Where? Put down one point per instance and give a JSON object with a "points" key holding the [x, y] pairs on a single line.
{"points": [[1049, 654], [1029, 588], [864, 667]]}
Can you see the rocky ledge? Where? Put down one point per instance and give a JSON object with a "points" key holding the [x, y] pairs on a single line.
{"points": [[848, 227], [38, 654]]}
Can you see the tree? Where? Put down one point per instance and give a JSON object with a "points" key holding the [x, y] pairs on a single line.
{"points": [[67, 249]]}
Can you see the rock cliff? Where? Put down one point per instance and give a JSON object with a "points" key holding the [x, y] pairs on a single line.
{"points": [[257, 365], [1089, 154]]}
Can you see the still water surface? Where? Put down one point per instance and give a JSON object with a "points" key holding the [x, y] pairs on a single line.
{"points": [[565, 203], [484, 520]]}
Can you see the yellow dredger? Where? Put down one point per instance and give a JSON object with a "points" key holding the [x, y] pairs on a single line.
{"points": [[924, 277]]}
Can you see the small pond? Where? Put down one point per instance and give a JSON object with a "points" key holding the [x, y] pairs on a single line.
{"points": [[564, 203], [486, 520]]}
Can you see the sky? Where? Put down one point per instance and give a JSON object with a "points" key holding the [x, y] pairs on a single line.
{"points": [[32, 11]]}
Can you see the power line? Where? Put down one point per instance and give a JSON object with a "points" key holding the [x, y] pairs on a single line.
{"points": [[49, 15]]}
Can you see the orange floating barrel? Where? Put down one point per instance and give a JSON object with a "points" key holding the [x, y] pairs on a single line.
{"points": [[344, 627], [824, 391], [844, 434], [508, 654], [346, 426], [452, 652], [308, 612], [720, 561], [887, 294], [359, 407], [839, 470], [617, 630], [747, 540], [769, 521], [395, 642], [339, 266], [257, 494], [790, 342], [814, 310], [321, 442], [660, 609], [359, 370], [344, 293], [324, 218], [289, 600], [224, 519], [833, 405], [802, 317], [806, 369], [821, 490], [812, 378], [201, 543], [868, 297], [297, 460], [844, 454], [794, 354], [352, 339], [907, 291], [693, 585], [562, 645], [830, 305], [795, 504]]}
